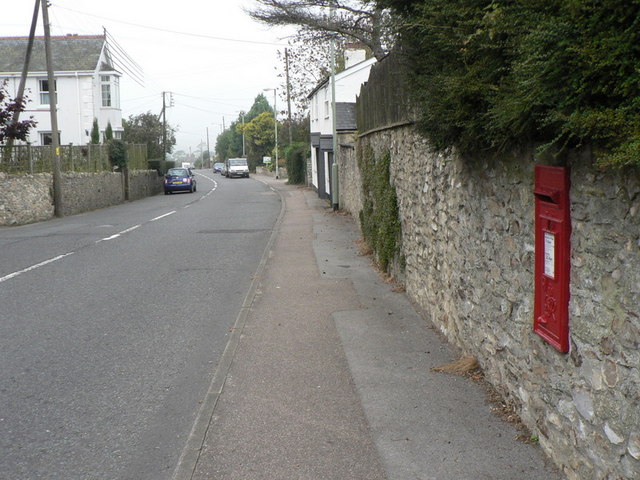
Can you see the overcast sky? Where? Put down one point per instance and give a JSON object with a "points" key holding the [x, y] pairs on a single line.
{"points": [[210, 54]]}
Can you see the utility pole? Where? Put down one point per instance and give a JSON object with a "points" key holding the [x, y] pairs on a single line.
{"points": [[286, 66], [275, 121], [335, 196], [208, 150], [243, 149], [53, 107], [164, 129]]}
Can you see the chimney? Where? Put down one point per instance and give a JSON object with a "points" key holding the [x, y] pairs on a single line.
{"points": [[354, 54]]}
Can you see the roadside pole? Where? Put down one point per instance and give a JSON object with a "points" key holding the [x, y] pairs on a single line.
{"points": [[53, 107]]}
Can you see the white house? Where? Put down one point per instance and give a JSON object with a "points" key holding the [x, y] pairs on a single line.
{"points": [[87, 85], [348, 84]]}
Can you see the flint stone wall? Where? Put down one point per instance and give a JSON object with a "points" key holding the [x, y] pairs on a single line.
{"points": [[29, 198], [25, 198], [144, 183], [468, 241]]}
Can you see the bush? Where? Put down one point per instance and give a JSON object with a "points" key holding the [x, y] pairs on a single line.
{"points": [[296, 157], [495, 75], [118, 154]]}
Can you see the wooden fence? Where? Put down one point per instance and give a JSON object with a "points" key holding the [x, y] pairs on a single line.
{"points": [[384, 100], [73, 158]]}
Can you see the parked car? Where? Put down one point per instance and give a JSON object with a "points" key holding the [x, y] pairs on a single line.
{"points": [[217, 167], [179, 179], [237, 167]]}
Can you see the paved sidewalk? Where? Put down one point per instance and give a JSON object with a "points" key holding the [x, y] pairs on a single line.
{"points": [[328, 376]]}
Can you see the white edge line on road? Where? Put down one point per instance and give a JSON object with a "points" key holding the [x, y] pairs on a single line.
{"points": [[116, 235], [106, 239], [130, 229], [162, 216], [33, 267]]}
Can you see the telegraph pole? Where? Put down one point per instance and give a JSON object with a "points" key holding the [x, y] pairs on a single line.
{"points": [[53, 107], [335, 182], [164, 129], [286, 66], [208, 150]]}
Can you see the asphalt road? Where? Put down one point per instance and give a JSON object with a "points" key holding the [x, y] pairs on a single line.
{"points": [[112, 324]]}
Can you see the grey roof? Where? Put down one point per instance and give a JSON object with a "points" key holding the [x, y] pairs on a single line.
{"points": [[345, 116], [70, 53]]}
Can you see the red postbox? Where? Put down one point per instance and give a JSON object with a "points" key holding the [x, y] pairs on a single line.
{"points": [[552, 255]]}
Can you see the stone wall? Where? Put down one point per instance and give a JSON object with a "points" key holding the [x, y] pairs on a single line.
{"points": [[29, 198], [350, 179], [25, 198], [144, 183], [282, 172], [89, 191], [468, 242]]}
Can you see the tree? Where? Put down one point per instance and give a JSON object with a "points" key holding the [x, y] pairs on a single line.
{"points": [[308, 61], [95, 132], [146, 128], [108, 132], [260, 105], [260, 138], [8, 106], [364, 22], [229, 142]]}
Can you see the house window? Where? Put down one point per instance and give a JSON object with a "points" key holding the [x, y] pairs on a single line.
{"points": [[110, 89], [44, 90], [106, 90], [47, 139], [326, 103]]}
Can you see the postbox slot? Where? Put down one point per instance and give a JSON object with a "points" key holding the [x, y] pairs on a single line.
{"points": [[547, 195]]}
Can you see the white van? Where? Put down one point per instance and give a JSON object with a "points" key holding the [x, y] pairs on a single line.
{"points": [[237, 167]]}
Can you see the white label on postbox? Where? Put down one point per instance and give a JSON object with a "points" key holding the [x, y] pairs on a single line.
{"points": [[549, 254]]}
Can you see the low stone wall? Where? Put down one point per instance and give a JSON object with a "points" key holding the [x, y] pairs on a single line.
{"points": [[82, 192], [25, 198], [29, 198], [282, 172], [144, 183], [468, 241]]}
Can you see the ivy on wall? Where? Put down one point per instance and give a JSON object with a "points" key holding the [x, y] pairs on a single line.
{"points": [[379, 219]]}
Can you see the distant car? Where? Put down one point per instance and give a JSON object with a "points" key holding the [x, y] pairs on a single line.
{"points": [[217, 167], [179, 179]]}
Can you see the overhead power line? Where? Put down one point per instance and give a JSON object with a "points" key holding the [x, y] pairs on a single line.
{"points": [[177, 32], [122, 60]]}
